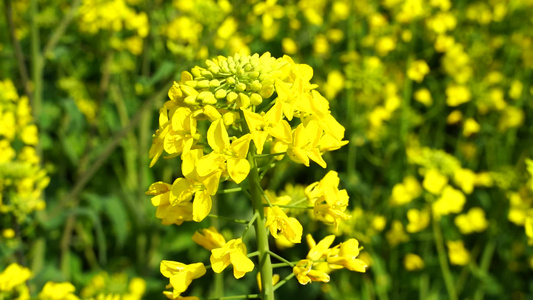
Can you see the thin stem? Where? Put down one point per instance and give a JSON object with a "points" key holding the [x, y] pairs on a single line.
{"points": [[264, 195], [249, 225], [486, 259], [228, 191], [60, 29], [285, 280], [37, 63], [281, 258], [283, 265], [228, 219], [292, 206], [19, 56], [269, 155], [265, 265], [250, 296], [448, 280], [253, 254]]}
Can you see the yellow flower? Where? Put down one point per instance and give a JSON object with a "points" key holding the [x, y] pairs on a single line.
{"points": [[225, 156], [423, 96], [457, 95], [418, 70], [305, 273], [403, 193], [454, 117], [434, 181], [234, 253], [320, 250], [58, 291], [278, 223], [305, 145], [418, 220], [473, 221], [345, 255], [396, 234], [451, 201], [181, 275], [209, 238], [13, 276], [413, 262], [270, 124], [193, 184], [465, 179], [170, 214], [470, 127], [329, 202], [457, 253]]}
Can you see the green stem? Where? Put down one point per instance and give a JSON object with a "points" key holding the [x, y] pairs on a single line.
{"points": [[486, 259], [269, 155], [281, 258], [283, 264], [439, 242], [37, 62], [265, 265], [228, 219], [249, 225], [289, 277], [291, 206], [228, 191], [251, 296]]}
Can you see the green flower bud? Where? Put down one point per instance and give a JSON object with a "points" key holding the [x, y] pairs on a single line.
{"points": [[267, 91], [232, 96], [220, 94], [244, 100], [204, 95], [191, 83], [256, 99], [241, 87], [191, 100], [230, 80], [207, 74], [256, 85], [203, 84], [210, 99], [214, 83], [253, 74], [196, 72]]}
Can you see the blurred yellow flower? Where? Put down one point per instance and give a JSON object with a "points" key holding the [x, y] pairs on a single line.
{"points": [[457, 253], [473, 221], [418, 220], [418, 70], [413, 262], [434, 181], [457, 95], [423, 96], [451, 201], [58, 291]]}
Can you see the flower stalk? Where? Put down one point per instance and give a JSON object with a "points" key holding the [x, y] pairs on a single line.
{"points": [[265, 264]]}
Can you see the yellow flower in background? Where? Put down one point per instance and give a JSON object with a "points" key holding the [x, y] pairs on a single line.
{"points": [[234, 253], [511, 117], [434, 181], [209, 238], [289, 46], [413, 262], [529, 230], [58, 291], [423, 96], [181, 275], [418, 70], [405, 192], [471, 127], [454, 117], [465, 179], [457, 253], [13, 276], [457, 95], [278, 223], [451, 201], [418, 220], [396, 234], [473, 221]]}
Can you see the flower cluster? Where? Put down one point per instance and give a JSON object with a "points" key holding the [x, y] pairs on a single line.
{"points": [[220, 118], [22, 179]]}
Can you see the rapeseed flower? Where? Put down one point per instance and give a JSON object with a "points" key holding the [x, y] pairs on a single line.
{"points": [[234, 253], [181, 275], [279, 223]]}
